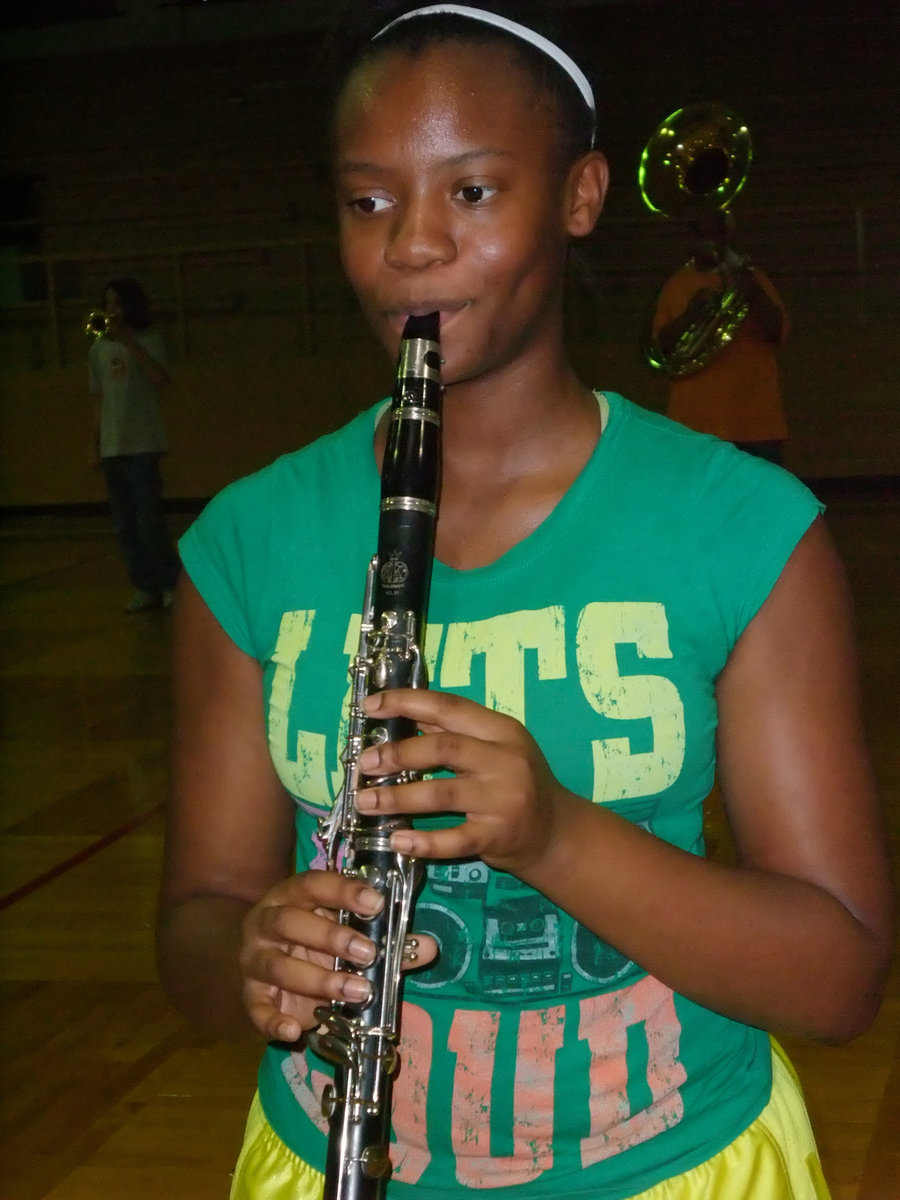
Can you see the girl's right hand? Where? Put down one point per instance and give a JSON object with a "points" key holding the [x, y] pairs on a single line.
{"points": [[290, 941]]}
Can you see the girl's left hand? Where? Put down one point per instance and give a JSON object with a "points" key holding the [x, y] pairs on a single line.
{"points": [[501, 781]]}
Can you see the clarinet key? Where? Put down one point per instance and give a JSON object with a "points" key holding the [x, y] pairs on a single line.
{"points": [[376, 1162]]}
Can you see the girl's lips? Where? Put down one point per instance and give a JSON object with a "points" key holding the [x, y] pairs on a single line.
{"points": [[448, 313]]}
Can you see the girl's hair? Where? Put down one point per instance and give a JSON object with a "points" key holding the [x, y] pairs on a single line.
{"points": [[574, 120], [135, 308]]}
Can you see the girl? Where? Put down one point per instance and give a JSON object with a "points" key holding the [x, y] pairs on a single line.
{"points": [[619, 607]]}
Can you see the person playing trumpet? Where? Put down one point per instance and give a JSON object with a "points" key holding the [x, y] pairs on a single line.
{"points": [[127, 368]]}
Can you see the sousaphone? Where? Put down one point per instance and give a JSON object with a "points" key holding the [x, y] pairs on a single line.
{"points": [[695, 163]]}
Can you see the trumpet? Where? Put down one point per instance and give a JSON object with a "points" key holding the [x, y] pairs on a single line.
{"points": [[96, 323]]}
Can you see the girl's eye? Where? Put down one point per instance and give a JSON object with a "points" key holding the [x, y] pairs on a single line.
{"points": [[369, 204], [476, 193]]}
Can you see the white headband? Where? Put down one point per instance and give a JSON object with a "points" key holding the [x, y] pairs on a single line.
{"points": [[543, 44]]}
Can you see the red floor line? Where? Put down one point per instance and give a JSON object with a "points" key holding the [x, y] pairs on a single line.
{"points": [[108, 839]]}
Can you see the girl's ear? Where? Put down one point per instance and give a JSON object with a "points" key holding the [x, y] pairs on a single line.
{"points": [[586, 192]]}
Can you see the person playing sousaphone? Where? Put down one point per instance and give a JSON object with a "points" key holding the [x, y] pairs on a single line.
{"points": [[718, 321]]}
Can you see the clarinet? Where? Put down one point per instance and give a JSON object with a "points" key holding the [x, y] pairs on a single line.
{"points": [[361, 1039]]}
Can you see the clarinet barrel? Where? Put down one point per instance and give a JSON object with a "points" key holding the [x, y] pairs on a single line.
{"points": [[361, 1039]]}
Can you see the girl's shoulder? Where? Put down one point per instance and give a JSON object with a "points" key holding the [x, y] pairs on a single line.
{"points": [[698, 478]]}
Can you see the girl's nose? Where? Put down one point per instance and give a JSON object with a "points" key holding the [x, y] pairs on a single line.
{"points": [[420, 236]]}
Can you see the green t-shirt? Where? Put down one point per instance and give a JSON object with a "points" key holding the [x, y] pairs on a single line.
{"points": [[534, 1054]]}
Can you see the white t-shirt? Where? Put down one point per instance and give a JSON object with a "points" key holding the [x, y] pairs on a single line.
{"points": [[130, 419]]}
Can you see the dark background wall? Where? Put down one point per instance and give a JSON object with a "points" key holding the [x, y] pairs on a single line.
{"points": [[185, 144]]}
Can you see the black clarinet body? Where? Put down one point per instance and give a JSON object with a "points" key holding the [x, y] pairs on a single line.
{"points": [[361, 1039]]}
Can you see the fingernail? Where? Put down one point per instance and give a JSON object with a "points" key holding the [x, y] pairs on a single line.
{"points": [[362, 951], [355, 988], [372, 703], [368, 760], [370, 900], [402, 843], [366, 800]]}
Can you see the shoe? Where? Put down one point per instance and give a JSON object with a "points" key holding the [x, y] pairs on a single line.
{"points": [[143, 601]]}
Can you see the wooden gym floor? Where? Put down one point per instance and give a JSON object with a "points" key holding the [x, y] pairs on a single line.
{"points": [[105, 1094]]}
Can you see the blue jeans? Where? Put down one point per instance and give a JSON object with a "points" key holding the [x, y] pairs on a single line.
{"points": [[135, 500]]}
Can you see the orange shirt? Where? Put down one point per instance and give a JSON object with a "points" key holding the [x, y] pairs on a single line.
{"points": [[736, 395]]}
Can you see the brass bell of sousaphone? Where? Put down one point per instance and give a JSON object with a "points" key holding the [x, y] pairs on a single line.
{"points": [[694, 164]]}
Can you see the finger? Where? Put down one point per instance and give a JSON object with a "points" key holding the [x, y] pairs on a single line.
{"points": [[441, 710], [314, 932], [461, 841], [444, 794], [460, 753], [326, 890], [268, 1018], [420, 950], [278, 984], [283, 1017]]}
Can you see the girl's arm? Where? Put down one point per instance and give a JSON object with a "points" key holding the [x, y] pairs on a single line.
{"points": [[797, 935], [242, 942], [149, 367], [228, 831]]}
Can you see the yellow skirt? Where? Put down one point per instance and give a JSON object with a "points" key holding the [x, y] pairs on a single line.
{"points": [[774, 1158]]}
